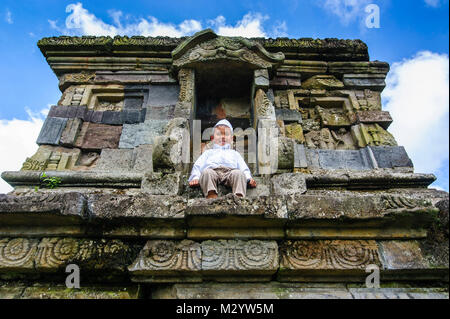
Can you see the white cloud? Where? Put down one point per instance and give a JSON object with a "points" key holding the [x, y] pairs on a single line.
{"points": [[417, 97], [17, 142], [250, 26], [346, 10], [82, 22], [8, 17]]}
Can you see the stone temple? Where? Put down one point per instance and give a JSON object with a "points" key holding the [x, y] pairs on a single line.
{"points": [[337, 203]]}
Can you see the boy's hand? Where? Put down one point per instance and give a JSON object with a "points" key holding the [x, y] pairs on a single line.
{"points": [[252, 183], [194, 183]]}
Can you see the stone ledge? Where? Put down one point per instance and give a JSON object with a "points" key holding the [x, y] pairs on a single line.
{"points": [[277, 290]]}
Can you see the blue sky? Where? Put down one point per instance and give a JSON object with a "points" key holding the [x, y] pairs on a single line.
{"points": [[413, 37]]}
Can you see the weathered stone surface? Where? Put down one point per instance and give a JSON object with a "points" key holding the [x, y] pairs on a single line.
{"points": [[17, 254], [322, 82], [402, 255], [143, 133], [373, 135], [278, 290], [143, 158], [365, 67], [295, 132], [163, 95], [383, 118], [391, 156], [365, 81], [51, 130], [110, 207], [288, 115], [322, 255], [285, 153], [93, 292], [71, 131], [49, 157], [339, 159], [115, 160], [237, 255], [300, 160], [162, 184], [166, 257], [288, 184], [41, 207], [98, 136]]}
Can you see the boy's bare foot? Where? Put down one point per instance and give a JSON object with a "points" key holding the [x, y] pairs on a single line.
{"points": [[211, 194]]}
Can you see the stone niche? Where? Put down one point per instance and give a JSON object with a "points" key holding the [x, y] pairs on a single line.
{"points": [[223, 91], [224, 77]]}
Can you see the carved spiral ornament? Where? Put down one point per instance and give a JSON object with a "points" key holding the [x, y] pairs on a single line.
{"points": [[15, 252]]}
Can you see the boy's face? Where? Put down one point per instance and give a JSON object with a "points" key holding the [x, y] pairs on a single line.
{"points": [[222, 135]]}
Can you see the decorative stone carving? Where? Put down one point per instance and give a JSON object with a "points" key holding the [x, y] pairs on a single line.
{"points": [[295, 132], [164, 256], [207, 46], [17, 253], [322, 82], [239, 255], [55, 252], [329, 254], [187, 81], [263, 106], [52, 158], [373, 135], [332, 117]]}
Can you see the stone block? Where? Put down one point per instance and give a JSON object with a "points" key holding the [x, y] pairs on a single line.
{"points": [[71, 131], [115, 160], [58, 111], [112, 118], [288, 115], [300, 160], [156, 183], [166, 112], [322, 82], [288, 184], [228, 256], [17, 254], [339, 159], [402, 255], [391, 156], [285, 153], [365, 81], [96, 117], [143, 158], [94, 292], [51, 130], [133, 102], [383, 118], [95, 136], [304, 256], [131, 116], [262, 188], [165, 260], [295, 132], [163, 95], [142, 133]]}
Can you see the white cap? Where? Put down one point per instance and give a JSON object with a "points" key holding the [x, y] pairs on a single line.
{"points": [[226, 123]]}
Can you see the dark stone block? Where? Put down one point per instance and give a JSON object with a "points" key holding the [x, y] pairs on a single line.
{"points": [[133, 102], [112, 118], [343, 159], [288, 115], [131, 116], [72, 111], [339, 159], [391, 156], [143, 114], [163, 95], [88, 115], [58, 111], [81, 112], [161, 112], [51, 130], [96, 117]]}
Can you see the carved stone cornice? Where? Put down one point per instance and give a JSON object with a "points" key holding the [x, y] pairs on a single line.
{"points": [[206, 46]]}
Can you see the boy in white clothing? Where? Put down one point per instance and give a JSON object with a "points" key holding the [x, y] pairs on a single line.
{"points": [[221, 164]]}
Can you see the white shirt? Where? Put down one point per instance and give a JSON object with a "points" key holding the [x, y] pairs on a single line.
{"points": [[219, 156]]}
